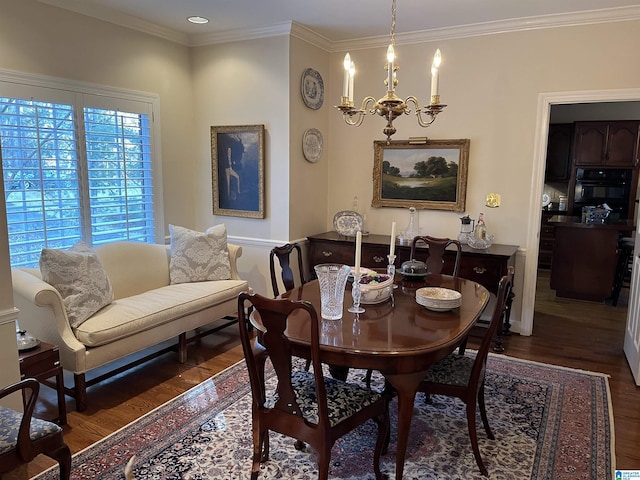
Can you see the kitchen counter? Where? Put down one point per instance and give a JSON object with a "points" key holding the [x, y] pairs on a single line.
{"points": [[585, 256], [576, 222]]}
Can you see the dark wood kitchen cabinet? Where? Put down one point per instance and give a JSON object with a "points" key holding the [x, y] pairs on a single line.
{"points": [[558, 166], [547, 239], [585, 257], [606, 144]]}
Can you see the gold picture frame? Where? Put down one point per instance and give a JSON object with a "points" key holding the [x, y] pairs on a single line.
{"points": [[426, 174], [237, 167]]}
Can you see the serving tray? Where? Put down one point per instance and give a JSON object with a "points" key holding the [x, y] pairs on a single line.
{"points": [[347, 223]]}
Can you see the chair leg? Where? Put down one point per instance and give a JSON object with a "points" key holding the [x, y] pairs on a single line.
{"points": [[483, 413], [258, 439], [324, 458], [265, 446], [63, 456], [473, 435], [367, 378], [382, 443]]}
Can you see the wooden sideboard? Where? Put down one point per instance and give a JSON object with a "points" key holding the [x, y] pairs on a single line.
{"points": [[483, 266]]}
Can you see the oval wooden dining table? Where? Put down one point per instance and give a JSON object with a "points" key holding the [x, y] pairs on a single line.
{"points": [[398, 337]]}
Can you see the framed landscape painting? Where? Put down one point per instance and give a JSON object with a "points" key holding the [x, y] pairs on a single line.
{"points": [[237, 167], [431, 174]]}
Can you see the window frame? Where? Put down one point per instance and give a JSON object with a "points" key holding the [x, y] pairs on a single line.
{"points": [[81, 95]]}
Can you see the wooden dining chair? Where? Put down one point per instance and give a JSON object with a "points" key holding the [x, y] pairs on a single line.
{"points": [[305, 405], [23, 437], [434, 263], [463, 376], [435, 255], [288, 277]]}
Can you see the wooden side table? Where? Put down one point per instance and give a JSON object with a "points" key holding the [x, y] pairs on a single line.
{"points": [[42, 363]]}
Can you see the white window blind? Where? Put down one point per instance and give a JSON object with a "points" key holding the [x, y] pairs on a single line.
{"points": [[40, 166], [118, 148], [76, 170]]}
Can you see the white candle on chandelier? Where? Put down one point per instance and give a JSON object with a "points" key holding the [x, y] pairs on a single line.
{"points": [[352, 74], [391, 55], [347, 66], [392, 245], [437, 58], [358, 253]]}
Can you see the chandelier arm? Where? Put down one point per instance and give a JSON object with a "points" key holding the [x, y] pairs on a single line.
{"points": [[422, 122], [368, 104], [354, 118], [415, 102]]}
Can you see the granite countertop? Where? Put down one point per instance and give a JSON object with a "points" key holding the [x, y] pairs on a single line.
{"points": [[576, 222]]}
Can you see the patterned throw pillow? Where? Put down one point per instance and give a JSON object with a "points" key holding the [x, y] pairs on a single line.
{"points": [[80, 279], [197, 256]]}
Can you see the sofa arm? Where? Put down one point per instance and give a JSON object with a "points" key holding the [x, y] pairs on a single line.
{"points": [[42, 312], [235, 252]]}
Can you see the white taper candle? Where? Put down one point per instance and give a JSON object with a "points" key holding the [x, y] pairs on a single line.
{"points": [[347, 66], [392, 245], [358, 252]]}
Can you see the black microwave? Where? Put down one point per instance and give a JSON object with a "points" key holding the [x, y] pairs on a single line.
{"points": [[594, 187]]}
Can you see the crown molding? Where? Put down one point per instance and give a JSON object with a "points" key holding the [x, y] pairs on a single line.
{"points": [[200, 40], [121, 19], [305, 33], [590, 17]]}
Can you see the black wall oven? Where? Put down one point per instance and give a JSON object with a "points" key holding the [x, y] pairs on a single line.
{"points": [[597, 186]]}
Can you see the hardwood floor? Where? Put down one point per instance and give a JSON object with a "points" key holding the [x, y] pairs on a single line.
{"points": [[571, 333]]}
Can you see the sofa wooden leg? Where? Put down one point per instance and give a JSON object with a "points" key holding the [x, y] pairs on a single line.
{"points": [[80, 387], [182, 347]]}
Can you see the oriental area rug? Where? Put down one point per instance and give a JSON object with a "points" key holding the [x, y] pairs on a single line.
{"points": [[549, 422]]}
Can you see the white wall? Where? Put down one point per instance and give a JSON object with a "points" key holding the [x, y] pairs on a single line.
{"points": [[245, 83], [308, 195]]}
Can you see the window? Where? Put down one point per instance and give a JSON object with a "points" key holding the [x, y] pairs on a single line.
{"points": [[76, 166]]}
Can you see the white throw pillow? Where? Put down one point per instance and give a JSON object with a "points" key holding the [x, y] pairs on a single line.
{"points": [[80, 279], [198, 256]]}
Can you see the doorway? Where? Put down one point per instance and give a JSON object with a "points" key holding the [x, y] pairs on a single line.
{"points": [[592, 100]]}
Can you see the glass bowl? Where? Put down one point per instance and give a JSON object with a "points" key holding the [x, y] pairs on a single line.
{"points": [[479, 243]]}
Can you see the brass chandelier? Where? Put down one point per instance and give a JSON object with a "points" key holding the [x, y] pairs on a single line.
{"points": [[390, 106]]}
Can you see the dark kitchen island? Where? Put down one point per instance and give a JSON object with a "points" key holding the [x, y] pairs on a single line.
{"points": [[585, 256]]}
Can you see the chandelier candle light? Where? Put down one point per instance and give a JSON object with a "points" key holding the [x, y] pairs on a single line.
{"points": [[390, 106]]}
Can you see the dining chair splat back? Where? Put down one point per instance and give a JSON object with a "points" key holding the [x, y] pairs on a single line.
{"points": [[305, 405], [284, 256], [24, 437], [463, 376], [436, 252]]}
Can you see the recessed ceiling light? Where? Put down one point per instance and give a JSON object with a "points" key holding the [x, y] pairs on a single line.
{"points": [[197, 19]]}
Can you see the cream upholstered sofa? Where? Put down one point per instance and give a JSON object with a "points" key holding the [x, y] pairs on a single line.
{"points": [[146, 309]]}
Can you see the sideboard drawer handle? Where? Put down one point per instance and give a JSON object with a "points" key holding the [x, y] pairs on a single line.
{"points": [[326, 253], [479, 270], [378, 259]]}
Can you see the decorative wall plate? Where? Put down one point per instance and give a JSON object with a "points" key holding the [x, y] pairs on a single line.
{"points": [[312, 89], [312, 145], [347, 223]]}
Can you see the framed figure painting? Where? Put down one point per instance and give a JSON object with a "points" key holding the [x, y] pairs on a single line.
{"points": [[431, 174], [237, 166]]}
